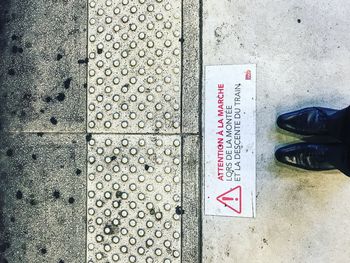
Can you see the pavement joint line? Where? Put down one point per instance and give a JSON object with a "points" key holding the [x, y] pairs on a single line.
{"points": [[86, 133], [201, 162]]}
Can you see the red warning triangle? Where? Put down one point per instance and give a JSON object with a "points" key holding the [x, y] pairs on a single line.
{"points": [[232, 199]]}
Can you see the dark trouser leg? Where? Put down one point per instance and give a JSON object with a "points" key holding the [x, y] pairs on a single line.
{"points": [[339, 128], [339, 125]]}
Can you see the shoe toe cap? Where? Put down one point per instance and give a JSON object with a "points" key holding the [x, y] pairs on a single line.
{"points": [[315, 157], [289, 154], [287, 121], [307, 121], [283, 155]]}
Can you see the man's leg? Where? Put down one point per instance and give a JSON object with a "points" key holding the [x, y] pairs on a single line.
{"points": [[339, 125]]}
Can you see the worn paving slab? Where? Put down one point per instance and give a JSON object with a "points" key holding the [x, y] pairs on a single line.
{"points": [[42, 198], [191, 67], [43, 65], [302, 59], [191, 195], [47, 92], [134, 83], [135, 88], [134, 198]]}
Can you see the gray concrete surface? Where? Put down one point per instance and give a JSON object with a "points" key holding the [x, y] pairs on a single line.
{"points": [[191, 141], [42, 198], [43, 65], [191, 192], [191, 67], [43, 108], [42, 92], [301, 52]]}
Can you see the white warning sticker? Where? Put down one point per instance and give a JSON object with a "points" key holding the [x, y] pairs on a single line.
{"points": [[230, 140]]}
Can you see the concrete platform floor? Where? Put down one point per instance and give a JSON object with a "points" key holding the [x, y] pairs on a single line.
{"points": [[48, 63], [95, 113], [301, 49]]}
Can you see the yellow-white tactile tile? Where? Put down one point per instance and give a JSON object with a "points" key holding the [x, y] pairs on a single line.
{"points": [[134, 195], [134, 70]]}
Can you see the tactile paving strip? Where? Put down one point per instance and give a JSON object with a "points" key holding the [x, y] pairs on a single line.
{"points": [[134, 186], [134, 70]]}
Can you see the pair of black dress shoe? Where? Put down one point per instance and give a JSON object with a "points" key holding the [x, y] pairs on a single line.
{"points": [[320, 122]]}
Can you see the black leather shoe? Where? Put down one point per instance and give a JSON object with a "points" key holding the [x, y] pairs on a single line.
{"points": [[316, 157], [309, 121]]}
